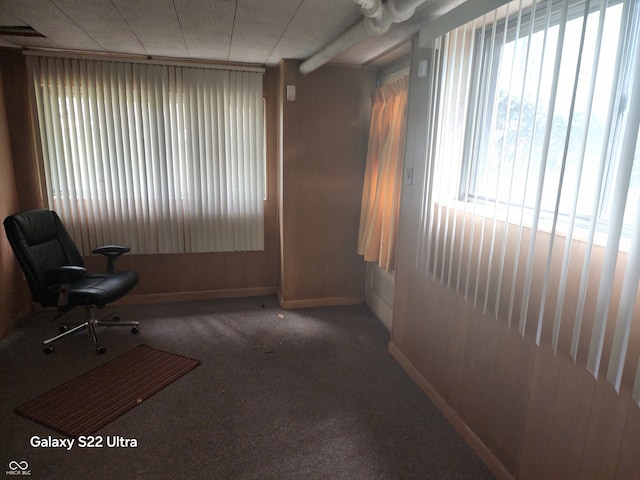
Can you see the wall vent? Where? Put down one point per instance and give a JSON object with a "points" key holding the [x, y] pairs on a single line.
{"points": [[19, 31]]}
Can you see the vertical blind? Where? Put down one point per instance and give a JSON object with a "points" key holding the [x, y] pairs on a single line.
{"points": [[532, 190], [166, 159]]}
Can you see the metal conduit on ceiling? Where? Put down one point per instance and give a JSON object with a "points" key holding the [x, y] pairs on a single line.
{"points": [[377, 18]]}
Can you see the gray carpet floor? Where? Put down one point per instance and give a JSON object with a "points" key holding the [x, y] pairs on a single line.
{"points": [[280, 394]]}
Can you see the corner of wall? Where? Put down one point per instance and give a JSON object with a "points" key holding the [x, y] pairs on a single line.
{"points": [[14, 295], [379, 291]]}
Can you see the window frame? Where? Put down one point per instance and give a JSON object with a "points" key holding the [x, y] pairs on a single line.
{"points": [[487, 60]]}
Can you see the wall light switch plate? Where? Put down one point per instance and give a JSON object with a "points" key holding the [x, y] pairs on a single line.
{"points": [[291, 93]]}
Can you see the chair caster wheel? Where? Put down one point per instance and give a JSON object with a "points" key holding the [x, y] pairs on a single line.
{"points": [[101, 349], [135, 330], [116, 317], [48, 349], [63, 328]]}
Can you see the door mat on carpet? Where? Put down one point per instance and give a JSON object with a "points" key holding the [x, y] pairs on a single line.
{"points": [[89, 402]]}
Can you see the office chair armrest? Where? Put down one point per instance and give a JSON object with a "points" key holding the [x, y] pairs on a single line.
{"points": [[64, 274], [112, 252]]}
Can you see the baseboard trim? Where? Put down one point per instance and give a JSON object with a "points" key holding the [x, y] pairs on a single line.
{"points": [[319, 302], [477, 445], [197, 295]]}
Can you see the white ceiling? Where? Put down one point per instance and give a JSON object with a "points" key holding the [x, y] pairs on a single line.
{"points": [[244, 31]]}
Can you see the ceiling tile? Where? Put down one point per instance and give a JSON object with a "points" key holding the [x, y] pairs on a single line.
{"points": [[156, 26], [264, 20], [207, 27], [7, 19], [101, 21], [49, 20], [315, 19]]}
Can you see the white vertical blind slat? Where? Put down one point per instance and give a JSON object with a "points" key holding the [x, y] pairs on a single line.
{"points": [[562, 185], [502, 158], [632, 273], [510, 196], [541, 174], [465, 175], [564, 270], [476, 111], [454, 144], [600, 182]]}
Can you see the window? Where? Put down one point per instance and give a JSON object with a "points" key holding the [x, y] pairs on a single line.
{"points": [[166, 159], [532, 123], [531, 191]]}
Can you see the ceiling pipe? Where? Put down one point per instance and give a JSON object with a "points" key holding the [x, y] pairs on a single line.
{"points": [[377, 18], [370, 8]]}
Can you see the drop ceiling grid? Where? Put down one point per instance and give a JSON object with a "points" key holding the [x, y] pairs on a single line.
{"points": [[251, 31], [207, 26], [264, 20], [155, 23], [7, 18], [102, 22], [325, 19], [49, 20]]}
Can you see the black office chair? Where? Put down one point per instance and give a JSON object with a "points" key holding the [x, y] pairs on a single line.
{"points": [[56, 275]]}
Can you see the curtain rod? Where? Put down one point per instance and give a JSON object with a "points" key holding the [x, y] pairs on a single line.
{"points": [[141, 59]]}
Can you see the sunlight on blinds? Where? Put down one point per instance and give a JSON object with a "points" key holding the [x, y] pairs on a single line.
{"points": [[533, 181], [166, 159]]}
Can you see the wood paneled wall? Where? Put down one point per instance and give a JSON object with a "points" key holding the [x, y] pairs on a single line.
{"points": [[316, 148], [322, 158], [162, 277], [22, 138], [14, 295], [529, 412]]}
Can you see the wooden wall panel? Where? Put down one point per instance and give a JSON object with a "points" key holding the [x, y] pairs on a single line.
{"points": [[544, 383], [605, 431], [569, 421], [510, 385], [450, 350], [23, 141], [628, 465], [14, 295], [481, 346], [322, 160]]}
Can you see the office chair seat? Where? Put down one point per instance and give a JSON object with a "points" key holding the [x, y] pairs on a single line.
{"points": [[100, 289], [55, 272]]}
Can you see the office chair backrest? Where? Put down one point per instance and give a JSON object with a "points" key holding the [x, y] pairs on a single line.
{"points": [[40, 242]]}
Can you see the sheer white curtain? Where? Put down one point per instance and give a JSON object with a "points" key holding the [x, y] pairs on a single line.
{"points": [[532, 193], [166, 159]]}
